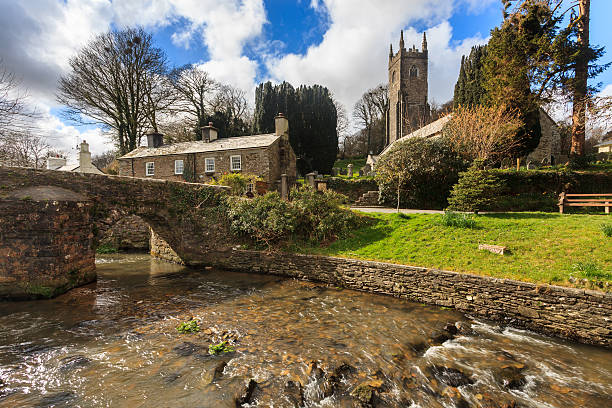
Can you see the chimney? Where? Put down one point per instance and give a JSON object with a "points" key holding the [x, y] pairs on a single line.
{"points": [[281, 125], [54, 163], [209, 133], [155, 140], [84, 156]]}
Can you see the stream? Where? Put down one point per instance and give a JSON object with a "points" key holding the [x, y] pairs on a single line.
{"points": [[115, 343]]}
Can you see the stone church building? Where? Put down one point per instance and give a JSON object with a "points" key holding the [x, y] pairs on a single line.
{"points": [[409, 112]]}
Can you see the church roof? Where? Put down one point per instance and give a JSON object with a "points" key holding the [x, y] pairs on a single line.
{"points": [[430, 130], [201, 146]]}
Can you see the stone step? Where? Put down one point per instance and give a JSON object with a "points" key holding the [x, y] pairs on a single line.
{"points": [[368, 199]]}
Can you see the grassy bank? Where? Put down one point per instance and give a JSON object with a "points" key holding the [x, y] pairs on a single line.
{"points": [[544, 248]]}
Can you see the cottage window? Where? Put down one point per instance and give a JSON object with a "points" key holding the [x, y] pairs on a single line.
{"points": [[178, 167], [150, 168], [210, 164], [236, 163]]}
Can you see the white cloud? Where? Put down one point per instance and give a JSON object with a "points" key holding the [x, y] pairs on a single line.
{"points": [[353, 55]]}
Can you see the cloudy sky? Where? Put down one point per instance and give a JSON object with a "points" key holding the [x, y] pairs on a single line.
{"points": [[341, 44]]}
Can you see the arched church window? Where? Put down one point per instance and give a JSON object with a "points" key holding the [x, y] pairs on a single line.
{"points": [[393, 77], [414, 71]]}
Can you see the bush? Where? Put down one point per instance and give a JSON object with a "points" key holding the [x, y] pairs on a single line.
{"points": [[237, 182], [476, 190], [606, 229], [310, 215], [420, 171], [321, 216], [265, 219], [106, 249], [458, 220]]}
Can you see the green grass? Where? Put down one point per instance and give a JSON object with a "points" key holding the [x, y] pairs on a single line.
{"points": [[357, 164], [544, 248]]}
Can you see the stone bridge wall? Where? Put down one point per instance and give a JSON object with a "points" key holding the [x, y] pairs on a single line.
{"points": [[47, 215]]}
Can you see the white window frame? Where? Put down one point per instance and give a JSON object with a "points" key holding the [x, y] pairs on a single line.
{"points": [[209, 161], [232, 157], [176, 166], [150, 171]]}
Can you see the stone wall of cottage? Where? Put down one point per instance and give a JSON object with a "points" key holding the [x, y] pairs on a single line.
{"points": [[256, 161], [549, 147], [575, 314]]}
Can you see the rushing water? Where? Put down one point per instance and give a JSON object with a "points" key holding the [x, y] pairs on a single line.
{"points": [[115, 343]]}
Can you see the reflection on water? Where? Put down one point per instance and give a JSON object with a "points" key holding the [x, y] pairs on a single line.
{"points": [[114, 343]]}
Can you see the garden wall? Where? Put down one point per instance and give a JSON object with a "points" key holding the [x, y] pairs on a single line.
{"points": [[575, 314], [353, 189]]}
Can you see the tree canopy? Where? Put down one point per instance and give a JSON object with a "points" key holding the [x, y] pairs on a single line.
{"points": [[312, 121]]}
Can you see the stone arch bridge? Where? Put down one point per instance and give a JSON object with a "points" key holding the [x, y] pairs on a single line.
{"points": [[48, 224]]}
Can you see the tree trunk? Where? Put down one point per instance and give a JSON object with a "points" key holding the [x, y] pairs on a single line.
{"points": [[580, 81]]}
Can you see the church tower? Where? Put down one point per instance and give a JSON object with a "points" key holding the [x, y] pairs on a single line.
{"points": [[408, 107]]}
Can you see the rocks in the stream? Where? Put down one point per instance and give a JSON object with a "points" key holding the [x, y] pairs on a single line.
{"points": [[213, 371], [243, 395], [59, 399], [364, 393], [294, 393], [450, 376], [186, 349], [73, 362], [438, 337], [511, 376]]}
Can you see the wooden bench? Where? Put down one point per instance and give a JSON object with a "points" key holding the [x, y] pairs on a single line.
{"points": [[585, 200]]}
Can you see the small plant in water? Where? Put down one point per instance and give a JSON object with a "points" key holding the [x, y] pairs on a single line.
{"points": [[220, 348], [458, 220], [607, 229], [191, 326]]}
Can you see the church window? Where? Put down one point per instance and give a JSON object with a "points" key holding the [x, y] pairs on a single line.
{"points": [[393, 77], [414, 72]]}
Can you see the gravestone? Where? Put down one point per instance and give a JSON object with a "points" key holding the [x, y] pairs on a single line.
{"points": [[530, 166], [350, 170]]}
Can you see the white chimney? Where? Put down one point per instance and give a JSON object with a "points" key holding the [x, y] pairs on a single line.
{"points": [[281, 125], [84, 157], [209, 133], [54, 163]]}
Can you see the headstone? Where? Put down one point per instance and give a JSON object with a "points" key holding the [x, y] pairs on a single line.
{"points": [[284, 187], [310, 179], [530, 165], [350, 170]]}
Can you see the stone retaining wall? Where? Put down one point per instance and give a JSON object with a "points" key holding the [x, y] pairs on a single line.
{"points": [[575, 314]]}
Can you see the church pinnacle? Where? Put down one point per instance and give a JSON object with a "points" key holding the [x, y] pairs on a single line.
{"points": [[390, 50], [424, 42], [402, 40]]}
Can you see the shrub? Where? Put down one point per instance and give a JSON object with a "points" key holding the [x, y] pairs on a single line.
{"points": [[418, 172], [321, 216], [191, 326], [606, 229], [106, 249], [309, 215], [476, 190], [237, 182], [458, 220], [266, 219]]}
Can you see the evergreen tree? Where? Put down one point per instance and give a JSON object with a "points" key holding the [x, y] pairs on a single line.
{"points": [[469, 90], [312, 122]]}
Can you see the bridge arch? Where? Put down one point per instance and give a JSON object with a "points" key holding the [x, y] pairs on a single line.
{"points": [[48, 233]]}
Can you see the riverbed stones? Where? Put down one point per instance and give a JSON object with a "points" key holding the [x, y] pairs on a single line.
{"points": [[450, 376], [186, 349], [213, 371], [294, 393], [73, 362], [511, 376]]}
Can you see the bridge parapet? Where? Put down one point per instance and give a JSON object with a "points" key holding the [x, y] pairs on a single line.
{"points": [[48, 224]]}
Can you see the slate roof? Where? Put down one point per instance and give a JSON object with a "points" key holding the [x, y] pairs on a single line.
{"points": [[200, 146], [430, 130]]}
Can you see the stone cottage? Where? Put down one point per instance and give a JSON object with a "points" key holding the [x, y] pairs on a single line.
{"points": [[267, 156]]}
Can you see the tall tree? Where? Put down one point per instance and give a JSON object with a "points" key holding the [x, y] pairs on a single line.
{"points": [[312, 121], [579, 97], [109, 81], [469, 89], [370, 111]]}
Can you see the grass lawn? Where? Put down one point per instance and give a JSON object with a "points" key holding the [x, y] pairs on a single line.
{"points": [[357, 164], [545, 248]]}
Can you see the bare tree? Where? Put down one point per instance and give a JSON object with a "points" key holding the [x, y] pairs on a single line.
{"points": [[342, 125], [23, 149], [112, 81], [196, 89], [14, 112], [370, 111], [483, 132]]}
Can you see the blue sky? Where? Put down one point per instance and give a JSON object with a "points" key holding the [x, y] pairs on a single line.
{"points": [[341, 44]]}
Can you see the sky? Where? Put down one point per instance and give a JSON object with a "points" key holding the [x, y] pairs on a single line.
{"points": [[340, 44]]}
